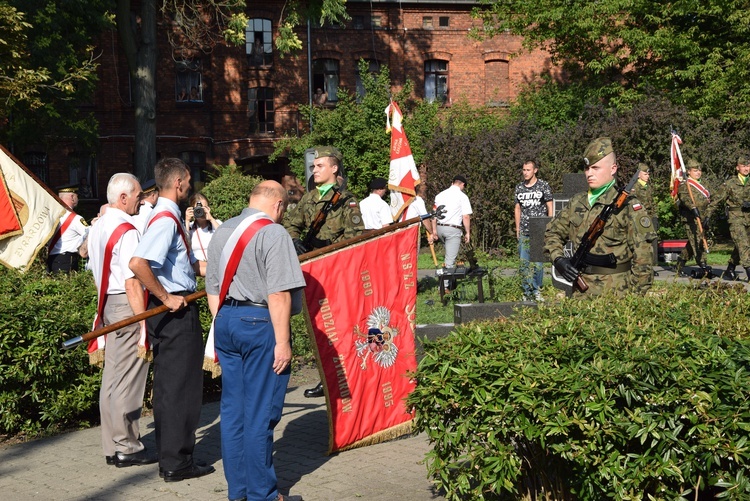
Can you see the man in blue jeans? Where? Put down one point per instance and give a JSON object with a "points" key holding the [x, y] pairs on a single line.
{"points": [[533, 199]]}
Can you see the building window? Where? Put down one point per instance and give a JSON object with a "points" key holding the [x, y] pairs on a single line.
{"points": [[436, 81], [259, 42], [82, 171], [427, 23], [358, 22], [261, 110], [36, 161], [444, 21], [375, 22], [188, 82], [374, 69], [496, 83], [196, 161], [326, 78]]}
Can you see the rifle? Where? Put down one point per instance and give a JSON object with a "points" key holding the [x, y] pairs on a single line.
{"points": [[439, 213], [597, 228], [320, 218]]}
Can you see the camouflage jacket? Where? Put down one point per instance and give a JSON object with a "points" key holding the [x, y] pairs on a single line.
{"points": [[343, 221], [643, 194], [686, 204], [627, 235], [734, 194]]}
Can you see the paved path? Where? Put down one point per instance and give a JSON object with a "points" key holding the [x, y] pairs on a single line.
{"points": [[71, 466]]}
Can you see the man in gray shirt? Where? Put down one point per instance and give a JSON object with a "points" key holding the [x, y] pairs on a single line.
{"points": [[254, 284]]}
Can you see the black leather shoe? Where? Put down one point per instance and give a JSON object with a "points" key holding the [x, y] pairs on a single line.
{"points": [[137, 458], [193, 471], [110, 460], [315, 392]]}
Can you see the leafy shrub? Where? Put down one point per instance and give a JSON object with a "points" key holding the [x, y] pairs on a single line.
{"points": [[634, 398], [229, 191], [42, 386]]}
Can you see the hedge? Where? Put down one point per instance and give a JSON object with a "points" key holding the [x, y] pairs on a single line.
{"points": [[635, 398]]}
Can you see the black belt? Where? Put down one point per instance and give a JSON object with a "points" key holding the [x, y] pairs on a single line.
{"points": [[234, 302], [451, 225]]}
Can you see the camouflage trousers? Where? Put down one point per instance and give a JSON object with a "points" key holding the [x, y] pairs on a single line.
{"points": [[740, 233], [694, 247]]}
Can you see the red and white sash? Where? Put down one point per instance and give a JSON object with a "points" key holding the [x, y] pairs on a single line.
{"points": [[231, 255], [61, 229], [180, 228], [698, 186]]}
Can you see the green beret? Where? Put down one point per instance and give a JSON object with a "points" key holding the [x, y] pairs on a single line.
{"points": [[743, 160], [643, 167], [596, 150], [691, 163], [328, 151]]}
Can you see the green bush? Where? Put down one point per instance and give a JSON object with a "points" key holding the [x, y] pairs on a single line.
{"points": [[229, 191], [42, 386], [634, 398]]}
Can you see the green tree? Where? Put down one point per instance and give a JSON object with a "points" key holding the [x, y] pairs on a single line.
{"points": [[47, 69], [356, 126], [695, 53]]}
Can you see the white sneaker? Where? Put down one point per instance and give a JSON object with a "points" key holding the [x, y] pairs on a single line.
{"points": [[538, 297], [439, 271]]}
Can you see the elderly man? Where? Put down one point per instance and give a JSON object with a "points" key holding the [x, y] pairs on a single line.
{"points": [[111, 244], [72, 231], [253, 272], [622, 258]]}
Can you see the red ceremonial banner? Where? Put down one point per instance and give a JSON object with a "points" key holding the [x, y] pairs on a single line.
{"points": [[361, 302], [10, 224]]}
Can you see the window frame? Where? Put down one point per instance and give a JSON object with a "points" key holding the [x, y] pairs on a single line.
{"points": [[255, 109], [262, 31], [434, 75], [327, 77], [38, 163], [188, 75]]}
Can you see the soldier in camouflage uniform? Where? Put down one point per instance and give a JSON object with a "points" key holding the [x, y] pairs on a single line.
{"points": [[643, 193], [736, 193], [627, 235], [342, 222], [693, 200]]}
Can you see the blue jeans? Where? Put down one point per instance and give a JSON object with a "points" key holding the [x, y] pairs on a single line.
{"points": [[252, 399], [531, 273]]}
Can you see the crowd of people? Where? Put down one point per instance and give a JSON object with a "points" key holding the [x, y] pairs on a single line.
{"points": [[142, 241]]}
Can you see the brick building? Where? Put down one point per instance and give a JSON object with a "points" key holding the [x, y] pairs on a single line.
{"points": [[228, 106]]}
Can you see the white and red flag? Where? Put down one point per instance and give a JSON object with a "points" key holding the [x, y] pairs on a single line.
{"points": [[361, 302], [678, 165], [38, 212], [403, 176]]}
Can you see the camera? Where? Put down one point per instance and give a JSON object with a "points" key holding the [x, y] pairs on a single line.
{"points": [[199, 211]]}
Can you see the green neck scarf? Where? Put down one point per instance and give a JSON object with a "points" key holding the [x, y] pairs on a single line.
{"points": [[743, 179], [595, 194], [324, 188]]}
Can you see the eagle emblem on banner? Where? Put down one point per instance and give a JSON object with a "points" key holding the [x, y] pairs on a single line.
{"points": [[377, 342]]}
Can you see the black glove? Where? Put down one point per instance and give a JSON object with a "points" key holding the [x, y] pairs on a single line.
{"points": [[565, 267], [299, 247], [696, 213], [745, 205], [704, 224]]}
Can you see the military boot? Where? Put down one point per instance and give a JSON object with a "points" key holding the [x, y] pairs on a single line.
{"points": [[729, 274], [680, 265]]}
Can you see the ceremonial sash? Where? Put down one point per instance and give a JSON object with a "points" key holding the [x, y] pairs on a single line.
{"points": [[97, 344], [64, 226], [698, 186], [231, 255], [180, 228]]}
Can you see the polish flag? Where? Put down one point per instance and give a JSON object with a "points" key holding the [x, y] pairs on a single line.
{"points": [[403, 176]]}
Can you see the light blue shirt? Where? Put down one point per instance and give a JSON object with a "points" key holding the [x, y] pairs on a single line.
{"points": [[162, 245]]}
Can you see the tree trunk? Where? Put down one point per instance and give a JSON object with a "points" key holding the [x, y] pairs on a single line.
{"points": [[138, 37]]}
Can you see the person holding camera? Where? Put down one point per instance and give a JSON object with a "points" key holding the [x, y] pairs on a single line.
{"points": [[735, 192], [202, 226]]}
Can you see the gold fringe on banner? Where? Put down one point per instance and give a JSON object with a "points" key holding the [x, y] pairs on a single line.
{"points": [[382, 436], [212, 367], [97, 358]]}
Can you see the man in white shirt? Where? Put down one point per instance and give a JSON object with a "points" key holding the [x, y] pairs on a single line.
{"points": [[376, 213], [120, 297], [457, 221], [72, 231], [150, 196]]}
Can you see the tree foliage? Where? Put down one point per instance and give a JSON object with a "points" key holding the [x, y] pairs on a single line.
{"points": [[356, 126], [47, 68], [695, 53]]}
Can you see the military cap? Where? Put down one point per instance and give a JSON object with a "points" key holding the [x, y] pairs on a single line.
{"points": [[68, 188], [328, 151], [459, 177], [743, 160], [596, 150], [691, 163], [378, 183], [148, 186], [643, 167]]}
